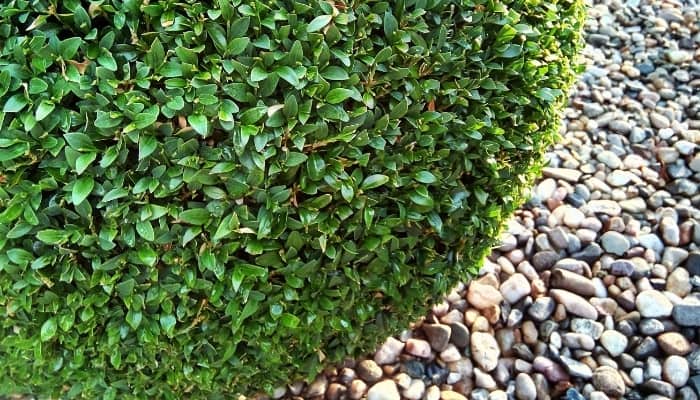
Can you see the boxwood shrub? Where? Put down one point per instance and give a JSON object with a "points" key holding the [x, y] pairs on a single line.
{"points": [[208, 198]]}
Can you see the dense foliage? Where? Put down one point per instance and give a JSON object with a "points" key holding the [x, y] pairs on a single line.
{"points": [[214, 197]]}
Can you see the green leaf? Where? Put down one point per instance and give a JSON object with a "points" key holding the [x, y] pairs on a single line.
{"points": [[421, 197], [425, 177], [238, 45], [84, 161], [106, 60], [133, 318], [374, 181], [289, 321], [512, 50], [48, 329], [390, 24], [399, 110], [334, 73], [318, 23], [19, 256], [239, 27], [147, 118], [548, 94], [347, 192], [14, 151], [147, 256], [37, 85], [126, 288], [145, 230], [114, 194], [288, 75], [147, 145], [481, 195], [199, 123], [44, 109], [253, 115], [155, 57], [69, 47], [15, 103], [316, 166], [81, 189], [167, 322], [79, 141], [338, 95], [258, 74], [294, 159], [264, 222], [195, 216], [383, 55]]}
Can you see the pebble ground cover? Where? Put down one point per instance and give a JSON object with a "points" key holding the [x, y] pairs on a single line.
{"points": [[594, 292]]}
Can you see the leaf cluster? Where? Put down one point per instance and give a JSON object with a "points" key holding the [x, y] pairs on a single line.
{"points": [[201, 198]]}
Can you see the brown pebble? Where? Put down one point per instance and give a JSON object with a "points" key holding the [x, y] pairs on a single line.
{"points": [[538, 288], [492, 313], [609, 280], [529, 332], [588, 360], [559, 313], [470, 316]]}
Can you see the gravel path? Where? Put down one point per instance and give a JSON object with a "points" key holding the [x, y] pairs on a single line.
{"points": [[595, 291]]}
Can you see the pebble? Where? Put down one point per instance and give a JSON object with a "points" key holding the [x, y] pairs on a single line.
{"points": [[384, 390], [451, 395], [483, 296], [525, 388], [587, 327], [659, 121], [566, 174], [515, 288], [415, 390], [438, 335], [389, 352], [673, 343], [608, 381], [574, 304], [485, 351], [676, 371], [687, 314], [615, 243], [369, 371], [541, 309], [317, 387], [418, 348], [653, 304], [572, 282], [678, 282], [614, 342], [576, 368], [553, 371], [358, 389]]}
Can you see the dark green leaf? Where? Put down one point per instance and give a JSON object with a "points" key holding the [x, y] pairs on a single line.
{"points": [[15, 103], [48, 329], [374, 181], [147, 145], [288, 75], [155, 57], [69, 47], [338, 95], [81, 189], [319, 23], [199, 123], [334, 73], [196, 216]]}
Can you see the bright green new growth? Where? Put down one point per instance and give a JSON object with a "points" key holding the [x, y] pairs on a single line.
{"points": [[206, 198]]}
